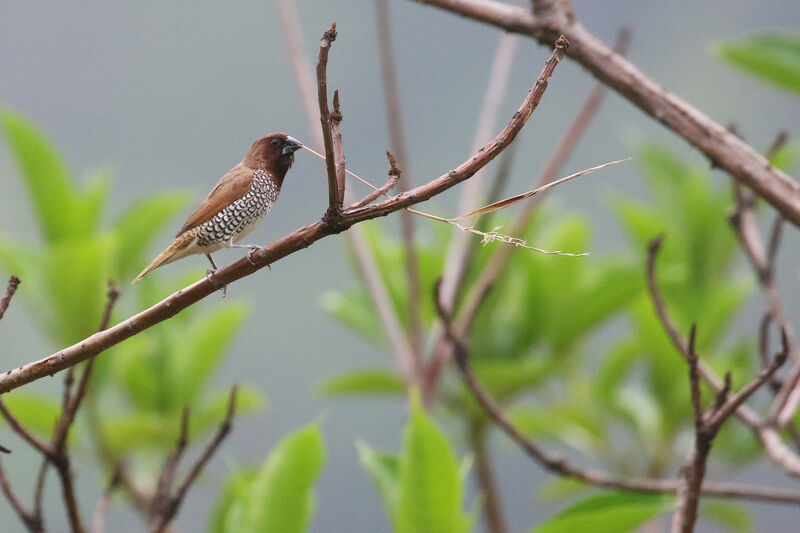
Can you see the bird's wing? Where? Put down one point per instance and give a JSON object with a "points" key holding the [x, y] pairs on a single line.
{"points": [[233, 185]]}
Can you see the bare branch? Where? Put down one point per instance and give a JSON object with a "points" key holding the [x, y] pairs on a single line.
{"points": [[394, 119], [26, 435], [707, 425], [165, 504], [30, 521], [99, 521], [338, 150], [560, 466], [394, 175], [460, 245], [776, 449], [334, 206], [297, 240], [720, 146], [13, 283]]}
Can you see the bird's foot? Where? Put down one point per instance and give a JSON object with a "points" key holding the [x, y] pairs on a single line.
{"points": [[210, 277], [252, 247]]}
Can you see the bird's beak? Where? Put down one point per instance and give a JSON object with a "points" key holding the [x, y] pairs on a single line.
{"points": [[291, 145]]}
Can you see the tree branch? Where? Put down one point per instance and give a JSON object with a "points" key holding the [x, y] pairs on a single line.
{"points": [[707, 424], [776, 449], [394, 120], [499, 260], [723, 148], [334, 205], [295, 241], [165, 503], [560, 466], [13, 283]]}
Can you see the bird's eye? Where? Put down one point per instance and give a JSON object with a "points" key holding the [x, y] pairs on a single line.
{"points": [[275, 142]]}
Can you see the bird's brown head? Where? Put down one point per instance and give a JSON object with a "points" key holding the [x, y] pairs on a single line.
{"points": [[273, 153]]}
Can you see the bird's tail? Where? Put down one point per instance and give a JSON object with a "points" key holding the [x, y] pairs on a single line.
{"points": [[172, 253]]}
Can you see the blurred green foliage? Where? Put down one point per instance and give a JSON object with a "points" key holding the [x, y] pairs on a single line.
{"points": [[279, 496], [422, 486], [139, 388], [773, 57], [572, 347]]}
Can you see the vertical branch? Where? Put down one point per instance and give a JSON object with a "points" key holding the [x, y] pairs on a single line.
{"points": [[394, 119], [564, 149], [706, 426], [376, 287], [166, 502], [493, 503], [334, 209], [455, 263], [338, 150]]}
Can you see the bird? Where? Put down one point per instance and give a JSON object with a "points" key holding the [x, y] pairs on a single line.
{"points": [[236, 205]]}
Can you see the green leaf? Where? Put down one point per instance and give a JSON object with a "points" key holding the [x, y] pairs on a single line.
{"points": [[732, 516], [281, 498], [229, 509], [430, 490], [354, 309], [506, 378], [91, 202], [617, 512], [76, 274], [202, 346], [138, 226], [384, 469], [45, 174], [34, 411], [773, 57], [363, 383]]}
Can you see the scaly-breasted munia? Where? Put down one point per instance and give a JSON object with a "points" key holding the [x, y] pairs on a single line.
{"points": [[236, 204]]}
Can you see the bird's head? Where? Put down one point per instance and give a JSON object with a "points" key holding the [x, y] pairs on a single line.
{"points": [[273, 153]]}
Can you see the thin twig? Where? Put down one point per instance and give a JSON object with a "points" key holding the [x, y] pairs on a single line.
{"points": [[394, 120], [33, 525], [13, 283], [394, 175], [334, 206], [101, 511], [166, 503], [707, 425], [291, 243], [338, 150], [730, 153], [564, 149], [458, 249], [562, 467], [375, 283], [41, 446], [491, 272], [780, 454], [484, 471]]}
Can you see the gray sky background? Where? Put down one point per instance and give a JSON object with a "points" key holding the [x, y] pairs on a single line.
{"points": [[172, 94]]}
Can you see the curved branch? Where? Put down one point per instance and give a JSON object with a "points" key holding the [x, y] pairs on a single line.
{"points": [[295, 241], [722, 147]]}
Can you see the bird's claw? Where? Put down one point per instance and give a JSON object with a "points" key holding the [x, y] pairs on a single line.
{"points": [[250, 255], [210, 277]]}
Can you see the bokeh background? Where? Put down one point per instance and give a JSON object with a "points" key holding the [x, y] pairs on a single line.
{"points": [[172, 94]]}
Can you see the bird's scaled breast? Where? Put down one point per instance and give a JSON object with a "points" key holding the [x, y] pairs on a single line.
{"points": [[241, 216]]}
